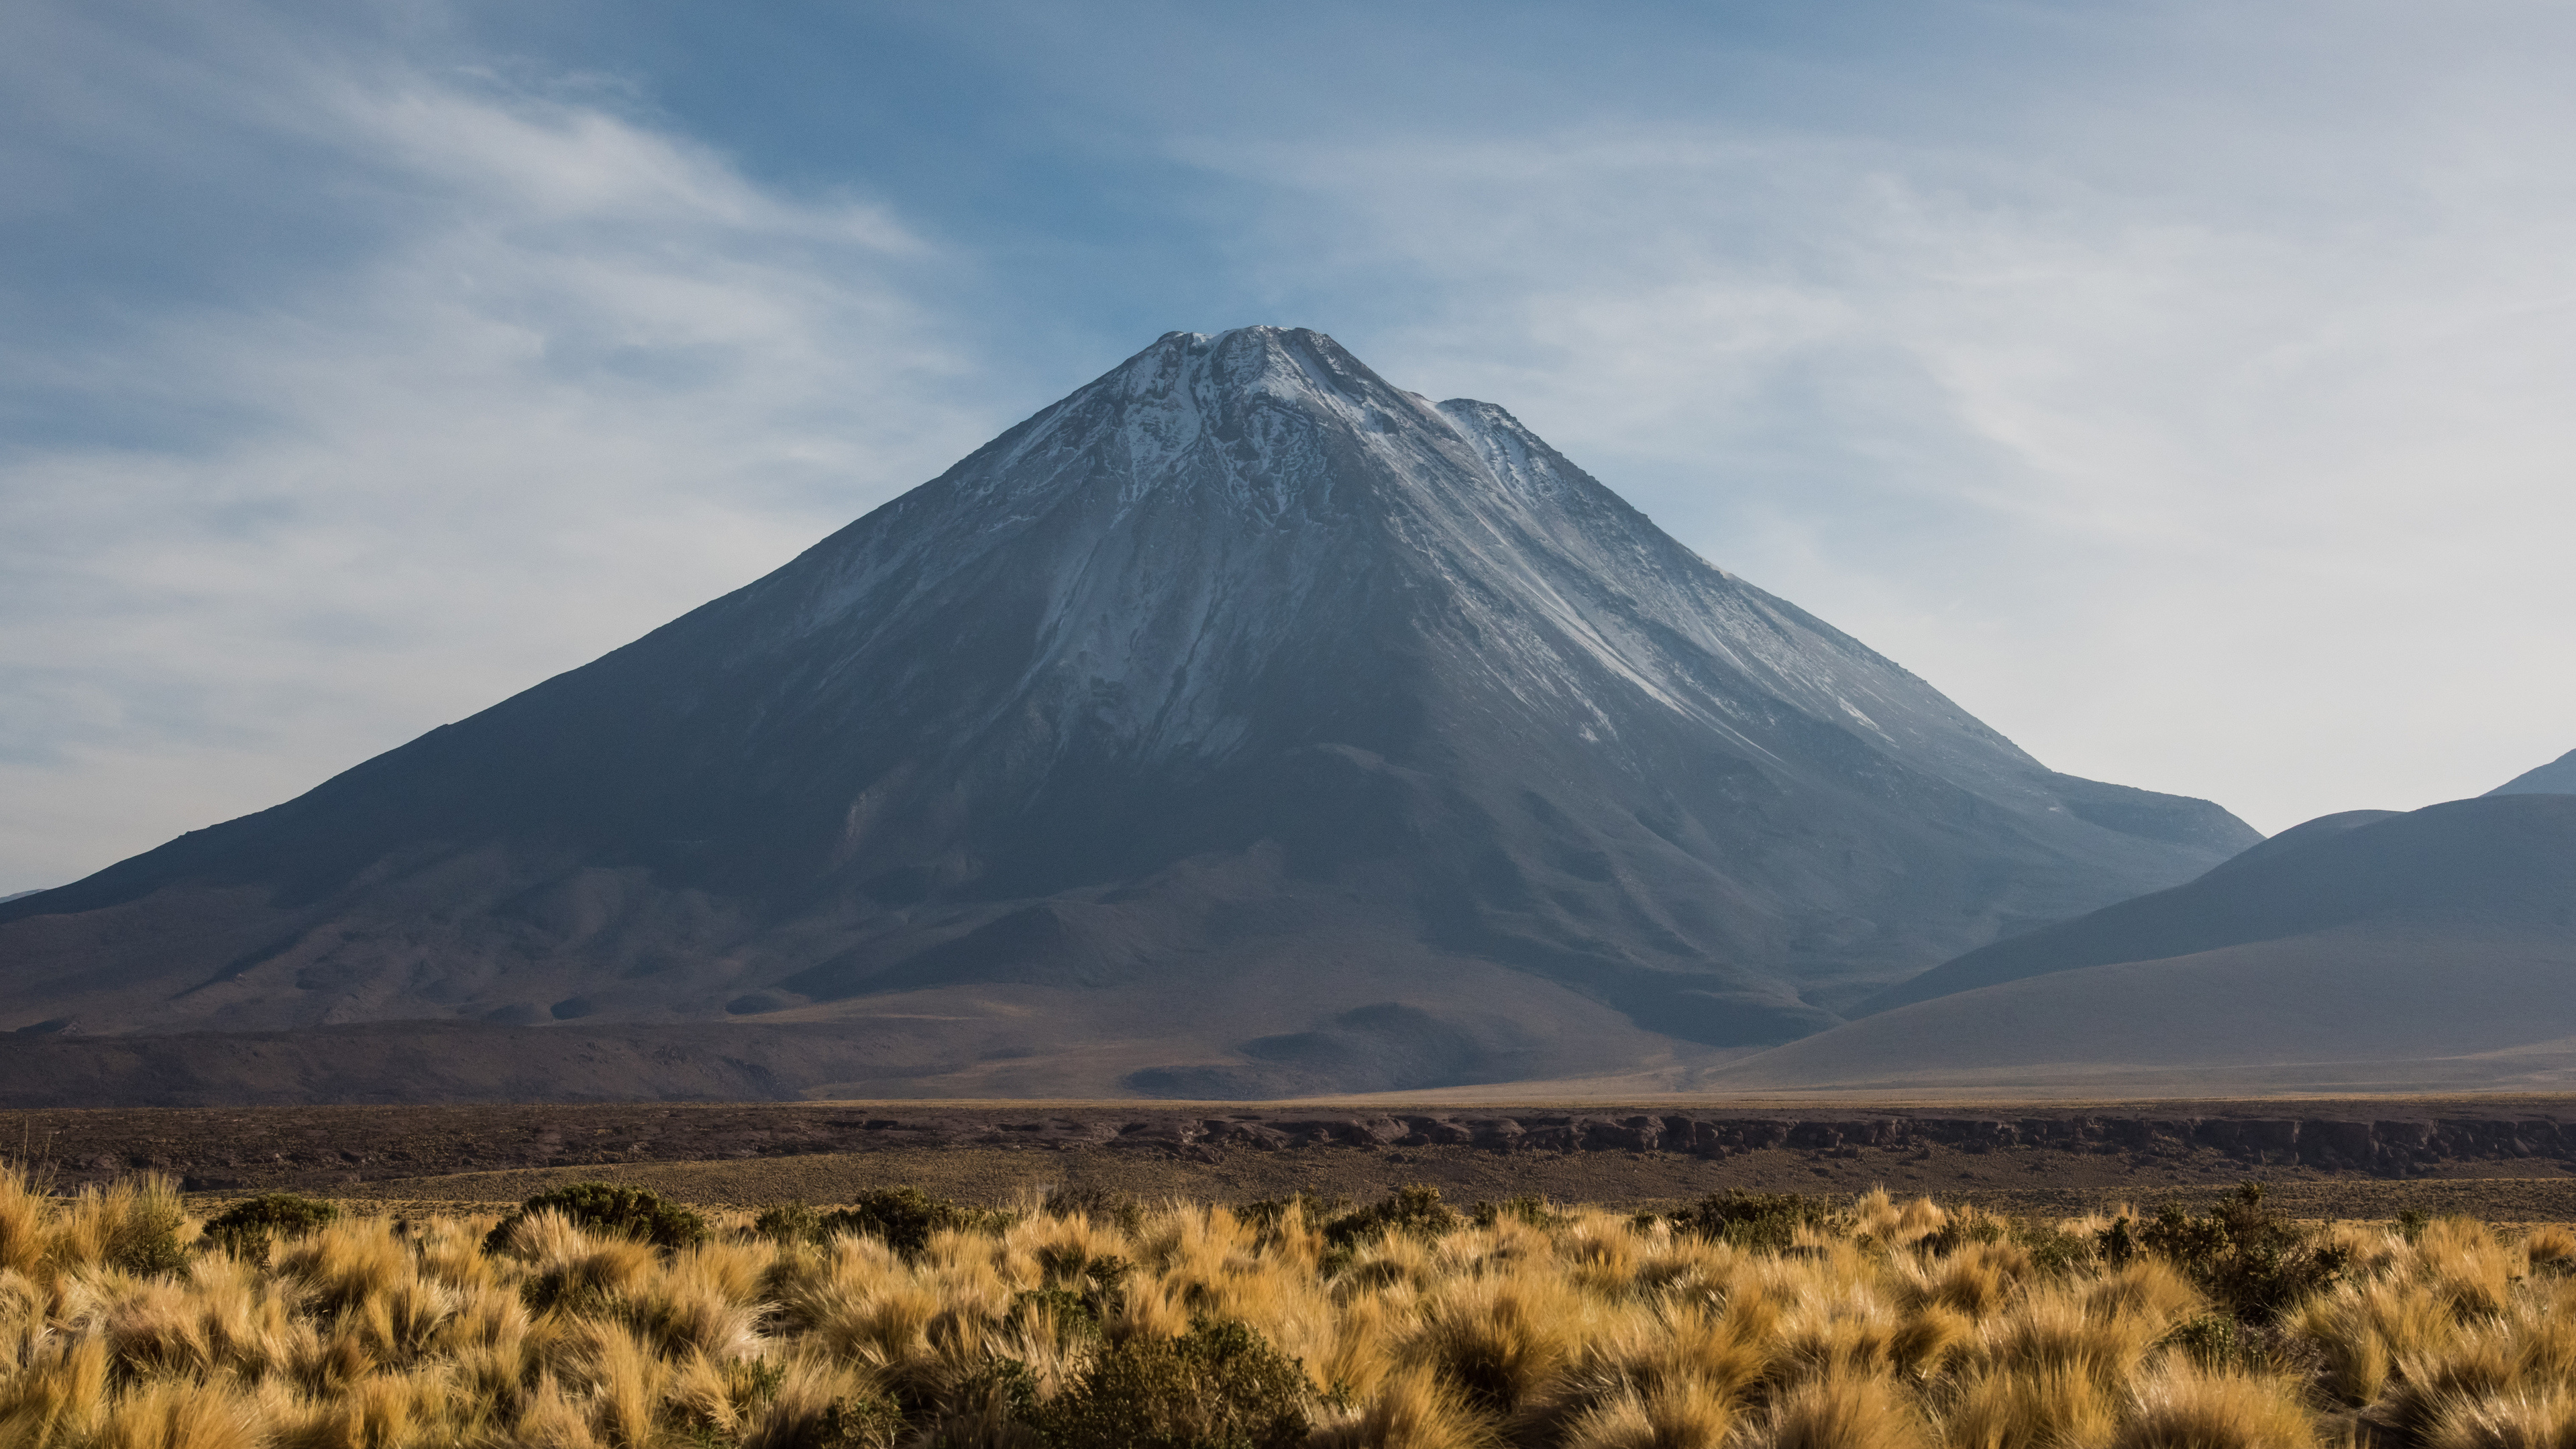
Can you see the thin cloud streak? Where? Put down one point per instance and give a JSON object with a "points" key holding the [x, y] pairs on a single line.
{"points": [[2268, 508], [600, 380], [2182, 391]]}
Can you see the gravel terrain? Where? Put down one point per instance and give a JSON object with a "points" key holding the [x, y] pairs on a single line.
{"points": [[2506, 1159]]}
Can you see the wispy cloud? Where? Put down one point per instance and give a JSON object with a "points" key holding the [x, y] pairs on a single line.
{"points": [[2178, 385], [2223, 452], [584, 377]]}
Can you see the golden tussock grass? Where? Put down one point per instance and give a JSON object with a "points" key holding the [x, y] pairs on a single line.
{"points": [[1876, 1323], [2182, 1407]]}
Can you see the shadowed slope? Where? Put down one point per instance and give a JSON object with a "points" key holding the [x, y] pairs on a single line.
{"points": [[2495, 864], [2435, 949], [2558, 777]]}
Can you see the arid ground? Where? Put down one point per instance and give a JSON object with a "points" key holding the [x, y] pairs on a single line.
{"points": [[2505, 1160]]}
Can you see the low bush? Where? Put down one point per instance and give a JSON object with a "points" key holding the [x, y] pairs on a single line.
{"points": [[1528, 1208], [859, 1421], [1414, 1209], [788, 1222], [1764, 1222], [131, 1225], [2056, 1253], [1270, 1213], [1966, 1227], [608, 1208], [2250, 1259], [1073, 1314], [1219, 1386], [2117, 1245], [1097, 1204], [1091, 1296], [903, 1218], [247, 1227], [2212, 1340]]}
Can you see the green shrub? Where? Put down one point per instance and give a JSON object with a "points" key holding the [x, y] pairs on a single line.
{"points": [[2117, 1244], [1966, 1226], [1220, 1386], [1075, 1315], [1764, 1222], [903, 1218], [2245, 1256], [1528, 1208], [1107, 1275], [1414, 1208], [2191, 1244], [788, 1222], [993, 1407], [1082, 1292], [142, 1220], [1270, 1213], [2213, 1340], [601, 1207], [1097, 1204], [863, 1422], [2054, 1253], [247, 1227]]}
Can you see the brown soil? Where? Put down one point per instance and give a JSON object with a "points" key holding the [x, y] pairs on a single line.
{"points": [[2016, 1181], [2502, 1159]]}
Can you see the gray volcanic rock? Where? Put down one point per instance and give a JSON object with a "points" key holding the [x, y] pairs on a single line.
{"points": [[2558, 777], [1233, 698]]}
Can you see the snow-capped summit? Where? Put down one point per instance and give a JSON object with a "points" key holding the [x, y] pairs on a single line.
{"points": [[1183, 737]]}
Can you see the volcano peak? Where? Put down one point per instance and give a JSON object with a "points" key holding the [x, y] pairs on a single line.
{"points": [[1237, 694]]}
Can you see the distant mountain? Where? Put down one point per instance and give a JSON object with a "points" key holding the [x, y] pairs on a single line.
{"points": [[1239, 725], [2225, 907], [2558, 777], [2367, 951]]}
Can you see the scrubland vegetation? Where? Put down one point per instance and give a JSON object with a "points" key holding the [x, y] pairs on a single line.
{"points": [[605, 1316]]}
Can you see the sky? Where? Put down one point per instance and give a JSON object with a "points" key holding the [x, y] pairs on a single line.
{"points": [[2183, 388]]}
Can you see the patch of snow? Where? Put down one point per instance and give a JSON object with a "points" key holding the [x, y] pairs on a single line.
{"points": [[1197, 505]]}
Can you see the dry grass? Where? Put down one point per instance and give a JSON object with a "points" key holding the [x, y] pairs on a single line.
{"points": [[1890, 1325]]}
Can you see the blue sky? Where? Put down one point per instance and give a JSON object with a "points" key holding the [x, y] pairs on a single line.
{"points": [[2181, 387]]}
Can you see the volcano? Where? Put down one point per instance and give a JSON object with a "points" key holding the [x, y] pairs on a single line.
{"points": [[1240, 725]]}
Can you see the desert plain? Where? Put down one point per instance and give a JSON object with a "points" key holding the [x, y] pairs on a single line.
{"points": [[2502, 1159]]}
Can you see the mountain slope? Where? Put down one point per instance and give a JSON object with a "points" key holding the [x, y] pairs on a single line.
{"points": [[2344, 1010], [1235, 693], [2365, 951], [2487, 864], [2558, 777]]}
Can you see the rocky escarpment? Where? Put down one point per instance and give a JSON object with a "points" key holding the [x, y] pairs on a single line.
{"points": [[221, 1149]]}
